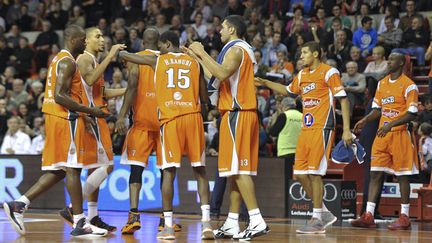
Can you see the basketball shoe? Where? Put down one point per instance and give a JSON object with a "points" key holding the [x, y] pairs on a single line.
{"points": [[207, 232], [313, 226], [252, 232], [328, 218], [14, 210], [85, 230], [67, 214], [177, 227], [366, 220], [226, 231], [402, 223], [133, 224], [166, 234]]}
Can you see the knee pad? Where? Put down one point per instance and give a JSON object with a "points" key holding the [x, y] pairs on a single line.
{"points": [[136, 174]]}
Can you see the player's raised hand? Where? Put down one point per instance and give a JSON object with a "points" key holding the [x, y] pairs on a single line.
{"points": [[115, 49], [188, 51], [259, 81], [98, 112], [121, 126], [197, 47]]}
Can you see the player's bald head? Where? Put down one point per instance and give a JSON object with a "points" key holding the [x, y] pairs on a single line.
{"points": [[398, 56], [151, 36], [73, 31]]}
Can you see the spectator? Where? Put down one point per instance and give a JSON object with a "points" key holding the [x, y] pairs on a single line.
{"points": [[13, 36], [38, 142], [254, 19], [13, 12], [321, 17], [22, 59], [377, 68], [199, 26], [15, 141], [36, 92], [337, 13], [25, 21], [5, 53], [176, 24], [277, 7], [315, 32], [212, 128], [298, 16], [190, 36], [117, 78], [212, 40], [414, 41], [161, 24], [426, 114], [4, 116], [8, 77], [167, 10], [406, 21], [76, 17], [18, 94], [428, 57], [39, 15], [354, 84], [103, 26], [128, 12], [120, 37], [55, 49], [272, 49], [340, 49], [58, 17], [392, 37], [23, 113], [390, 11], [235, 7], [202, 7], [250, 6], [287, 129], [331, 33], [366, 37], [283, 65], [43, 44], [185, 11], [260, 69], [306, 5], [134, 40], [364, 11]]}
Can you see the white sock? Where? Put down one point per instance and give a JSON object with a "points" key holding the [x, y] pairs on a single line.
{"points": [[370, 207], [324, 208], [317, 212], [94, 180], [405, 209], [232, 219], [76, 218], [92, 210], [255, 217], [168, 218], [70, 205], [24, 199], [205, 209]]}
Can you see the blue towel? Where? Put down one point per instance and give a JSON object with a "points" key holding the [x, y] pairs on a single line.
{"points": [[345, 155]]}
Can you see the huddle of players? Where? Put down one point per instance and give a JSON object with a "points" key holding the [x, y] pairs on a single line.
{"points": [[173, 82]]}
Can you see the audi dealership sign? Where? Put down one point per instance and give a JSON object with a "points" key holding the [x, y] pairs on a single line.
{"points": [[339, 197]]}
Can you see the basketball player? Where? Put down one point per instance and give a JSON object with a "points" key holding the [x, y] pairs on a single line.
{"points": [[143, 137], [93, 81], [238, 154], [65, 107], [180, 87], [318, 84], [394, 149]]}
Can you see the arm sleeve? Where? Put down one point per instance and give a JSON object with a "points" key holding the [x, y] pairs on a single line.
{"points": [[294, 86], [335, 83], [376, 104], [411, 95], [278, 126]]}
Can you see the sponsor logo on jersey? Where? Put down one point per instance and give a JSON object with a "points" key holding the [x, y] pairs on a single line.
{"points": [[308, 119], [309, 103], [308, 88], [388, 100], [177, 95], [390, 113]]}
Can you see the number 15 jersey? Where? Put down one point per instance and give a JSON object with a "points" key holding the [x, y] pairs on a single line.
{"points": [[177, 78]]}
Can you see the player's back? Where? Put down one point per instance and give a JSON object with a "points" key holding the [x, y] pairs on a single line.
{"points": [[76, 90], [144, 106], [396, 97], [177, 86], [238, 92]]}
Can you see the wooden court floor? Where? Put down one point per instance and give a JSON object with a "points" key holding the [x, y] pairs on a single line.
{"points": [[48, 227]]}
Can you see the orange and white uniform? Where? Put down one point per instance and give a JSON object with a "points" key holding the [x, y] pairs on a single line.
{"points": [[101, 134], [65, 130], [395, 152], [318, 89], [143, 136], [239, 129], [177, 78]]}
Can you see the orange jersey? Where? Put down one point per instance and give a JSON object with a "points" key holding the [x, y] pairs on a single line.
{"points": [[318, 89], [238, 91], [395, 98], [77, 92], [144, 106], [177, 86]]}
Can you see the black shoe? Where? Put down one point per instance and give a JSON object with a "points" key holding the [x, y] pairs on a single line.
{"points": [[66, 214], [97, 221], [15, 212], [84, 230]]}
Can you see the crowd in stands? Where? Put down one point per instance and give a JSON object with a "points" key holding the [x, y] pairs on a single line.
{"points": [[356, 36]]}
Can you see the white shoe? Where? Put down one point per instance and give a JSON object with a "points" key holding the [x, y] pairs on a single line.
{"points": [[252, 232], [85, 230], [14, 210], [226, 232]]}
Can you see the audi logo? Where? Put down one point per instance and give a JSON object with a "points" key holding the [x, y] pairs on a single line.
{"points": [[348, 194], [330, 192]]}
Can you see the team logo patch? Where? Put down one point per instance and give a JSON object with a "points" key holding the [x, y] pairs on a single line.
{"points": [[390, 113], [309, 103], [308, 119], [177, 96], [388, 100], [308, 88]]}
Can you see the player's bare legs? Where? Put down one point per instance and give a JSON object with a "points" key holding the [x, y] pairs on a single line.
{"points": [[73, 184], [167, 196], [45, 182], [204, 194], [317, 190], [305, 181], [235, 198], [403, 223]]}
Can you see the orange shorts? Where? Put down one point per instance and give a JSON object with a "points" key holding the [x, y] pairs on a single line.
{"points": [[138, 146], [239, 142], [183, 135], [313, 151], [64, 144], [395, 153]]}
